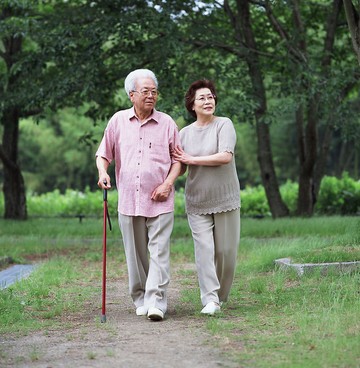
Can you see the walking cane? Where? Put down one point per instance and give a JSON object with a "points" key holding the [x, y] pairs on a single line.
{"points": [[106, 217]]}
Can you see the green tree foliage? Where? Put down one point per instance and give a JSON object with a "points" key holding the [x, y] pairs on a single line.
{"points": [[301, 71], [57, 154], [285, 68], [54, 54]]}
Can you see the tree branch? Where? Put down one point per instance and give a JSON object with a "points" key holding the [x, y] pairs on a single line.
{"points": [[234, 20], [221, 46], [297, 54], [330, 33], [352, 18], [299, 25], [230, 13]]}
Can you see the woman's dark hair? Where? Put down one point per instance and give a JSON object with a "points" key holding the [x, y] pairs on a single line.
{"points": [[190, 94]]}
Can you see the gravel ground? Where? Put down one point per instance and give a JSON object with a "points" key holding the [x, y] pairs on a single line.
{"points": [[125, 340]]}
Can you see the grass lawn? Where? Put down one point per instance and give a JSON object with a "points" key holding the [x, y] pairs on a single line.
{"points": [[273, 318]]}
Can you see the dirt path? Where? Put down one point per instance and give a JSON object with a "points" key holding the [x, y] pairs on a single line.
{"points": [[125, 340]]}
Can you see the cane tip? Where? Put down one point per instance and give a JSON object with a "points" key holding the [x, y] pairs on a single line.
{"points": [[103, 318]]}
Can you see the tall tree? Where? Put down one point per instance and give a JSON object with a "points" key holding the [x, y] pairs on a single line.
{"points": [[244, 34], [314, 76], [56, 54], [12, 41], [51, 56], [294, 50], [69, 53]]}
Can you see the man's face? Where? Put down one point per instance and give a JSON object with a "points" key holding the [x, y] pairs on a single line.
{"points": [[145, 96]]}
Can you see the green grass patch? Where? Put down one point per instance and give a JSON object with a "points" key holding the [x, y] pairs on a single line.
{"points": [[275, 318], [54, 288], [272, 319]]}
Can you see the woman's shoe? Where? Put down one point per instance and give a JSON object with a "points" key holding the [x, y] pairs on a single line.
{"points": [[141, 311], [211, 308], [155, 314]]}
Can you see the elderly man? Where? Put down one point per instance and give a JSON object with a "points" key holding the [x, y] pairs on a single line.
{"points": [[140, 140]]}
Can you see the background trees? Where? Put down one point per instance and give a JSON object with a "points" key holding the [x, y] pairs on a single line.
{"points": [[296, 54], [42, 69], [284, 71]]}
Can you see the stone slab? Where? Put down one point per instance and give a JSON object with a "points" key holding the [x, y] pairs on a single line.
{"points": [[14, 274], [302, 268]]}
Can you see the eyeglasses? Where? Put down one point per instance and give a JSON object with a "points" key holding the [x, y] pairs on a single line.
{"points": [[203, 99], [147, 92]]}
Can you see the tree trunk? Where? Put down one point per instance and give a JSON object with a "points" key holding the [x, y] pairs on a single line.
{"points": [[307, 140], [309, 180], [14, 186], [346, 155], [265, 158], [322, 158], [268, 175]]}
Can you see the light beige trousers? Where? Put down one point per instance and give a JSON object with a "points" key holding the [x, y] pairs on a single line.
{"points": [[216, 240], [147, 251]]}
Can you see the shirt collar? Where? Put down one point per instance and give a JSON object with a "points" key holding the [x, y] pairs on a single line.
{"points": [[155, 115]]}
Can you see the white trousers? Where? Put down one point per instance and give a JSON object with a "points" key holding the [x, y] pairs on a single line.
{"points": [[216, 240], [147, 251]]}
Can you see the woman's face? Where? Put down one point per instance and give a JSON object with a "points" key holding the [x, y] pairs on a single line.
{"points": [[204, 104]]}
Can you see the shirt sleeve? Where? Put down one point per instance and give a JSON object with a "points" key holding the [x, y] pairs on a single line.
{"points": [[106, 147], [227, 137], [174, 142]]}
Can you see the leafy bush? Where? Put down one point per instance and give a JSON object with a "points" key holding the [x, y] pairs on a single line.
{"points": [[339, 196], [336, 197], [289, 193], [254, 202], [72, 203]]}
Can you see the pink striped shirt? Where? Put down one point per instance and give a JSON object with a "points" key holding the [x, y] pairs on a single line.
{"points": [[142, 154]]}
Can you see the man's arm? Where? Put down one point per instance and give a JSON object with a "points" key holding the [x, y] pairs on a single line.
{"points": [[162, 192], [102, 165]]}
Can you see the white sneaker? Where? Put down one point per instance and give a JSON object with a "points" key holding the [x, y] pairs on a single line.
{"points": [[155, 314], [211, 308], [141, 311]]}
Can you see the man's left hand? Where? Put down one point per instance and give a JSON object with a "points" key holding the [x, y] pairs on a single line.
{"points": [[161, 193]]}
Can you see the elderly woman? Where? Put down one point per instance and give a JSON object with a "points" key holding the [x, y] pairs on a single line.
{"points": [[212, 194]]}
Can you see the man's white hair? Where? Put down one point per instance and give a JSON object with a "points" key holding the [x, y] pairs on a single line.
{"points": [[130, 80]]}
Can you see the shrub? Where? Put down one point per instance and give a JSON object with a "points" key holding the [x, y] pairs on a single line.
{"points": [[72, 203], [254, 202], [289, 193], [336, 197], [339, 196]]}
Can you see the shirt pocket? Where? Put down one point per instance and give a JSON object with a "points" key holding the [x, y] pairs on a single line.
{"points": [[158, 151]]}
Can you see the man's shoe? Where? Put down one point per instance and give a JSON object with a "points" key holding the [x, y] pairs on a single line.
{"points": [[155, 314], [141, 311], [211, 308]]}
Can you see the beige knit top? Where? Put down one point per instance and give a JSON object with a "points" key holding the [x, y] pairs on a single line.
{"points": [[211, 189]]}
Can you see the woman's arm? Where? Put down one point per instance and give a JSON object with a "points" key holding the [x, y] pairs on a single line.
{"points": [[217, 159]]}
